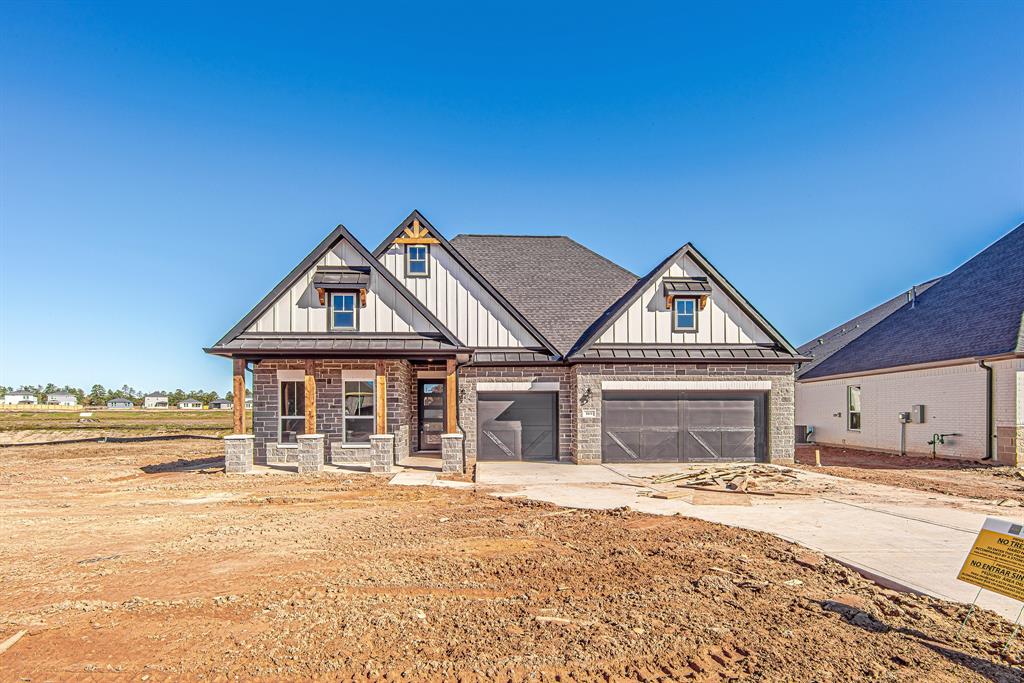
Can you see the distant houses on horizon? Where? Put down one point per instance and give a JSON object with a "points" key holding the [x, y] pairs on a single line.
{"points": [[153, 401]]}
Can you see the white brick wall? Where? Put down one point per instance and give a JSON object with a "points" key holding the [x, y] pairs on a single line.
{"points": [[1009, 392], [954, 400]]}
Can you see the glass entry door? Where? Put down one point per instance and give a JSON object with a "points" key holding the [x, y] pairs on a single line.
{"points": [[431, 414]]}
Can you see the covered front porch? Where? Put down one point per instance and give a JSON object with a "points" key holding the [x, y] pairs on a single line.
{"points": [[352, 414]]}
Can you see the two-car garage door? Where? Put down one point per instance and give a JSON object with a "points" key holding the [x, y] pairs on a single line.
{"points": [[677, 426], [636, 426]]}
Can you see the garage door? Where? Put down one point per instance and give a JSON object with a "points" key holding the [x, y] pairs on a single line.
{"points": [[517, 426], [674, 426]]}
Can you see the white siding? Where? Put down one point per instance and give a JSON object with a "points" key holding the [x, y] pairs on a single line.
{"points": [[299, 309], [953, 396], [648, 321], [459, 301]]}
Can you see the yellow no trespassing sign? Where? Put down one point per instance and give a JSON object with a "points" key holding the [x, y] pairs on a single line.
{"points": [[996, 562]]}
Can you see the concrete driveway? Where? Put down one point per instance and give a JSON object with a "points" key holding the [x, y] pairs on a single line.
{"points": [[906, 539]]}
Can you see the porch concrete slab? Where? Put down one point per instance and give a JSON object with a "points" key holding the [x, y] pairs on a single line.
{"points": [[525, 473], [911, 545], [413, 478]]}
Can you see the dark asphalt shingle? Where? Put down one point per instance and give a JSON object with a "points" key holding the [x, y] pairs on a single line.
{"points": [[974, 311], [556, 283], [834, 340]]}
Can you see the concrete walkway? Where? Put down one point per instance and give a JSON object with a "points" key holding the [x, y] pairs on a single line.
{"points": [[902, 538]]}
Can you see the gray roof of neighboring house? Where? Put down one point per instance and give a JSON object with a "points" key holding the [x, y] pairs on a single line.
{"points": [[975, 311], [556, 283], [120, 400], [821, 348]]}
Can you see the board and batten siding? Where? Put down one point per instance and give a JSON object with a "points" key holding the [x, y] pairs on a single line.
{"points": [[299, 309], [648, 321], [459, 301]]}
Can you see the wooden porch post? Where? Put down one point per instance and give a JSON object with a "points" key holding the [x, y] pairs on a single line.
{"points": [[238, 392], [310, 379], [381, 385], [450, 423]]}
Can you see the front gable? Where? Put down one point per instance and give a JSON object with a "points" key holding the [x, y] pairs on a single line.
{"points": [[644, 315], [454, 291], [297, 304]]}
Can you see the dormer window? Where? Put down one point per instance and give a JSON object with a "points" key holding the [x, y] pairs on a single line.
{"points": [[344, 311], [417, 263], [684, 314]]}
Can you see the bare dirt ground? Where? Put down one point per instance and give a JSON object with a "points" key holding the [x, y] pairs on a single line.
{"points": [[145, 561], [991, 483]]}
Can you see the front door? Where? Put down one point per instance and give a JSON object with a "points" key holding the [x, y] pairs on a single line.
{"points": [[431, 415]]}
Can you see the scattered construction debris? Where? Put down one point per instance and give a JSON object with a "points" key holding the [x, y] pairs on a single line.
{"points": [[754, 479], [9, 643]]}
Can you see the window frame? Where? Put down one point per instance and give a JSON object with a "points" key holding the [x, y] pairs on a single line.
{"points": [[331, 310], [409, 260], [849, 408], [281, 417], [345, 417], [675, 314]]}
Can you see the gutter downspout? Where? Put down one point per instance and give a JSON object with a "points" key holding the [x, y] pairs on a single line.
{"points": [[989, 430]]}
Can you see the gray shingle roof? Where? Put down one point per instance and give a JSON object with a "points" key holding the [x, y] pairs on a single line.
{"points": [[556, 283], [835, 339], [974, 311]]}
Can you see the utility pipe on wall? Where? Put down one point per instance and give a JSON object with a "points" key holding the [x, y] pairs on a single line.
{"points": [[989, 429]]}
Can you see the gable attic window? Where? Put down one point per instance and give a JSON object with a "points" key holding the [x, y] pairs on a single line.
{"points": [[685, 297], [344, 312], [417, 263], [684, 314]]}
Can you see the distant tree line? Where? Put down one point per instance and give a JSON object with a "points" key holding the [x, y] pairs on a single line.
{"points": [[99, 395]]}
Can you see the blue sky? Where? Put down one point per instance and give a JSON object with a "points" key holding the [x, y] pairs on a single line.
{"points": [[161, 168]]}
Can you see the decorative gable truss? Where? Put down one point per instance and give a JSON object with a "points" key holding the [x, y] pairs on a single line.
{"points": [[300, 305], [644, 315], [455, 292]]}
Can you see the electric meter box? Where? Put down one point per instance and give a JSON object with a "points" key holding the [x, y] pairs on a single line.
{"points": [[917, 414]]}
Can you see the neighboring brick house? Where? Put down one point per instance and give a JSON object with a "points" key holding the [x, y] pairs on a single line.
{"points": [[946, 359], [493, 347]]}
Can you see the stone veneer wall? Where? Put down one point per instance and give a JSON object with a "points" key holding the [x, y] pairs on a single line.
{"points": [[329, 404], [586, 441], [468, 377]]}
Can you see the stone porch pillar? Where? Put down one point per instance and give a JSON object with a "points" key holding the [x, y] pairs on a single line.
{"points": [[452, 459], [311, 453], [382, 453], [238, 453]]}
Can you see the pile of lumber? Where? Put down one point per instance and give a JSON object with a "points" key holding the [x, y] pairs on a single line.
{"points": [[758, 480]]}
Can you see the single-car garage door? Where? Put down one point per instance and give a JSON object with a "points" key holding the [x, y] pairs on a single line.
{"points": [[677, 426], [517, 426]]}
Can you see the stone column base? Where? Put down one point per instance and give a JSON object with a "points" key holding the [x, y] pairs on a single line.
{"points": [[382, 452], [311, 453], [452, 459], [238, 453]]}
